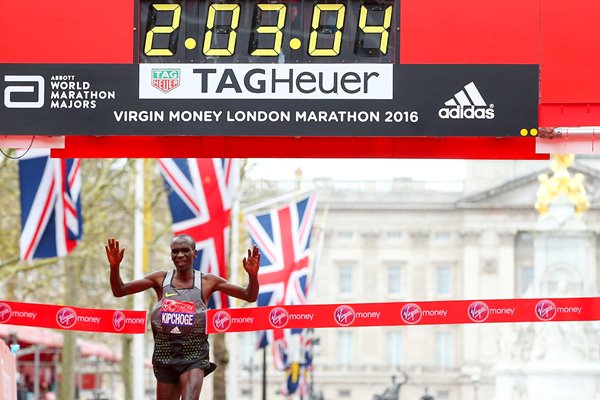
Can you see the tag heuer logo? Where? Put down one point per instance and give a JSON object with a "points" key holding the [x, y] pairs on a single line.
{"points": [[164, 79]]}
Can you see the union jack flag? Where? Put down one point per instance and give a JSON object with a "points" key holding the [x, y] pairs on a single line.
{"points": [[283, 237], [51, 219], [297, 361], [200, 193]]}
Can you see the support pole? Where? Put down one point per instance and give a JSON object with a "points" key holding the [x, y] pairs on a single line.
{"points": [[138, 261], [234, 237], [264, 374]]}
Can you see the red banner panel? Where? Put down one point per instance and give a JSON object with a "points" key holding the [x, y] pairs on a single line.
{"points": [[71, 31], [72, 318], [570, 53], [469, 32], [404, 313]]}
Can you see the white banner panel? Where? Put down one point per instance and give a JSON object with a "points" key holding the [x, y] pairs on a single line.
{"points": [[266, 81]]}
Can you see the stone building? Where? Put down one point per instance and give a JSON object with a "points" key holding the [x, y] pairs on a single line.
{"points": [[405, 240]]}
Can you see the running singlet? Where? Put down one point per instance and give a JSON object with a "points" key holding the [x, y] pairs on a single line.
{"points": [[179, 324]]}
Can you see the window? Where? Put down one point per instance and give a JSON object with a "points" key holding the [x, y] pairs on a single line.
{"points": [[345, 278], [345, 235], [443, 395], [344, 393], [444, 349], [525, 278], [442, 236], [345, 354], [394, 235], [443, 280], [394, 279], [248, 342], [394, 349]]}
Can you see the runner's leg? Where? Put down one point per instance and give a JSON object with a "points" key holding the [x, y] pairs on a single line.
{"points": [[167, 391], [190, 383]]}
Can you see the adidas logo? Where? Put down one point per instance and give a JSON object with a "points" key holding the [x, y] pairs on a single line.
{"points": [[467, 104], [175, 330]]}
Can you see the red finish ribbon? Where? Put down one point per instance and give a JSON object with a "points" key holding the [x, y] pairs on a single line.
{"points": [[314, 315], [72, 318], [404, 313]]}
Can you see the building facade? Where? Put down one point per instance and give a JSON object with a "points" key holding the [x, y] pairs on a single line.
{"points": [[403, 241]]}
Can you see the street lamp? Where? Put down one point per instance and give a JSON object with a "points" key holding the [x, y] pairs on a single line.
{"points": [[315, 346], [475, 379], [427, 396]]}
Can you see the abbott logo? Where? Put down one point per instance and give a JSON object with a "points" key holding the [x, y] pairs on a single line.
{"points": [[27, 84], [467, 104]]}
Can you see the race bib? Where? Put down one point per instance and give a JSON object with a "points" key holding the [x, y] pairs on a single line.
{"points": [[180, 313]]}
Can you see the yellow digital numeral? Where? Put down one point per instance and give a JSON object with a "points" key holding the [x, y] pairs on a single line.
{"points": [[270, 29], [149, 50], [340, 9], [210, 24], [381, 29]]}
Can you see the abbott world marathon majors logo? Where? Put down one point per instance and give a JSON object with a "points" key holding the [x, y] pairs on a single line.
{"points": [[467, 103], [24, 91]]}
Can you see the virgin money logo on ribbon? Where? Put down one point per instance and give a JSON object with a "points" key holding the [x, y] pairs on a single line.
{"points": [[411, 313], [66, 317], [278, 317], [545, 310], [5, 313], [344, 315], [478, 311], [222, 321], [118, 320]]}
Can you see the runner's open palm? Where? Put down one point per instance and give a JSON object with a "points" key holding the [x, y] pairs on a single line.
{"points": [[113, 253], [252, 262]]}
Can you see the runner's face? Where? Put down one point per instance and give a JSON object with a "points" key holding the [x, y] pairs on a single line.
{"points": [[182, 253]]}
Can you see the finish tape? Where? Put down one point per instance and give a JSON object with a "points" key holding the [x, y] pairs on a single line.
{"points": [[315, 315], [72, 318], [403, 313]]}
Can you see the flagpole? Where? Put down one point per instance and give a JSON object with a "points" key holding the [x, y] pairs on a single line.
{"points": [[264, 374], [232, 387], [138, 260], [275, 200]]}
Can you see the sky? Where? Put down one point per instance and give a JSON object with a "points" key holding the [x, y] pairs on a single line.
{"points": [[357, 169]]}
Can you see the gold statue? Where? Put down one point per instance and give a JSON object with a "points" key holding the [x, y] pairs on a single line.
{"points": [[561, 183]]}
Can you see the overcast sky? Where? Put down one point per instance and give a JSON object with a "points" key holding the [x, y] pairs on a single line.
{"points": [[356, 169]]}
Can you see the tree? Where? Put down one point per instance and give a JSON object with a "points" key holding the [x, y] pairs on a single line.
{"points": [[108, 207]]}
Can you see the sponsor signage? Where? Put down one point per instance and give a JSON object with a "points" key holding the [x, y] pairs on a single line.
{"points": [[268, 99], [72, 318], [404, 313]]}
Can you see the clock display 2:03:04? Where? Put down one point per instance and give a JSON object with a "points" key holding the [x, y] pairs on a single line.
{"points": [[271, 32]]}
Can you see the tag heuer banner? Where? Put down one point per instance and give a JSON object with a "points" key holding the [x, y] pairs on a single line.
{"points": [[268, 99]]}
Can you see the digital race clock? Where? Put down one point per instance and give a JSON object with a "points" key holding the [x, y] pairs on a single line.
{"points": [[248, 31]]}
